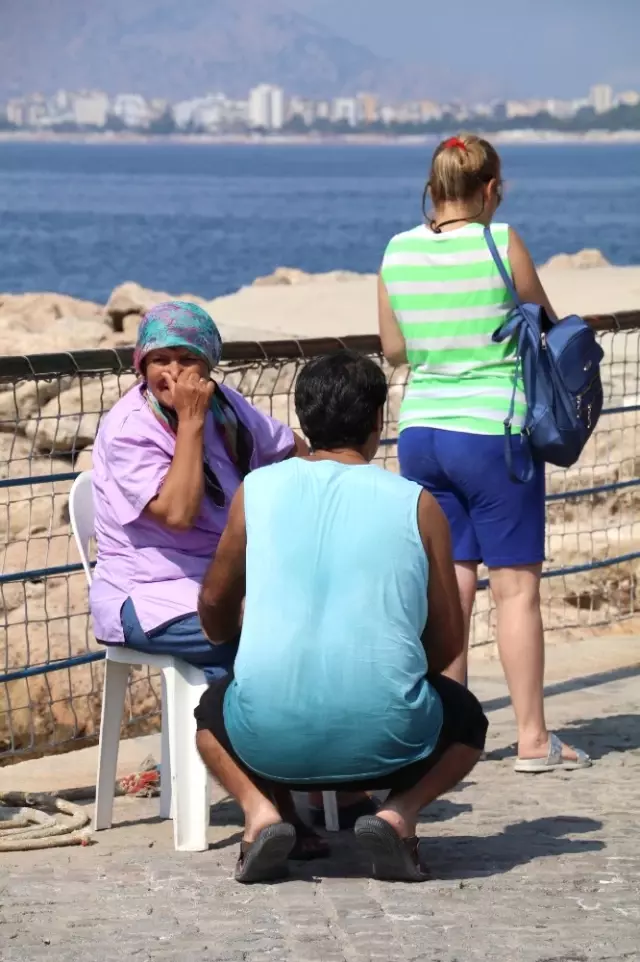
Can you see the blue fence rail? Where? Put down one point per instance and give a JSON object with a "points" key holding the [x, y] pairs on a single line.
{"points": [[50, 406]]}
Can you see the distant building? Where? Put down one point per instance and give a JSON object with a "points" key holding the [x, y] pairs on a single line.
{"points": [[367, 108], [303, 108], [323, 110], [277, 108], [266, 107], [237, 114], [409, 113], [345, 109], [91, 109], [16, 113], [482, 110], [601, 98], [36, 112], [430, 110], [158, 107], [524, 108], [61, 102], [562, 109], [133, 110], [628, 98], [388, 114], [211, 113], [183, 112], [296, 107]]}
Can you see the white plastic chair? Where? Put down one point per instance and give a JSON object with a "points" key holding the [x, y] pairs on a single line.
{"points": [[184, 781]]}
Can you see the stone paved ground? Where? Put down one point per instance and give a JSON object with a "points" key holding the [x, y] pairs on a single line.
{"points": [[525, 869]]}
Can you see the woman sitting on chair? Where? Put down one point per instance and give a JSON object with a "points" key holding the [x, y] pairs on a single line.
{"points": [[167, 461]]}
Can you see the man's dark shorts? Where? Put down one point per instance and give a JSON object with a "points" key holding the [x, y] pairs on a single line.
{"points": [[464, 723]]}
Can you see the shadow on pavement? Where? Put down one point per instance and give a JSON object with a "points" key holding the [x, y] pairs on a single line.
{"points": [[573, 684], [601, 736], [596, 736], [463, 857]]}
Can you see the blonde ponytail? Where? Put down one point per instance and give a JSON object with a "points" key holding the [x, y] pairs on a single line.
{"points": [[460, 166]]}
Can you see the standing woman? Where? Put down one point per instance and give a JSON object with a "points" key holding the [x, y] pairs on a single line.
{"points": [[441, 298]]}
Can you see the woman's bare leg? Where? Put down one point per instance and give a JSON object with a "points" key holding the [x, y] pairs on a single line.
{"points": [[516, 592]]}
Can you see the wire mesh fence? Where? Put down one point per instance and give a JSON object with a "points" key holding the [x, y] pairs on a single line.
{"points": [[50, 409]]}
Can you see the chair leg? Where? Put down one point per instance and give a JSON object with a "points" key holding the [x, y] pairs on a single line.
{"points": [[116, 676], [189, 777], [166, 794], [331, 817]]}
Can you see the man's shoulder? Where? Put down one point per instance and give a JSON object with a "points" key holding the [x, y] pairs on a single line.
{"points": [[278, 471], [389, 479]]}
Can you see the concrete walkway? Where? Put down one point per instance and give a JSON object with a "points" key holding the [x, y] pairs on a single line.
{"points": [[524, 868]]}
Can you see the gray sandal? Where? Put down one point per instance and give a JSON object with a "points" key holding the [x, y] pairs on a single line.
{"points": [[265, 859], [394, 859], [553, 759]]}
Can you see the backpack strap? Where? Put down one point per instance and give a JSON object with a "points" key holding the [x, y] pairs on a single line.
{"points": [[504, 273], [508, 330]]}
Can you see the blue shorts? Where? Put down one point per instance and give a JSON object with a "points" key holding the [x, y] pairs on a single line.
{"points": [[492, 518], [182, 638]]}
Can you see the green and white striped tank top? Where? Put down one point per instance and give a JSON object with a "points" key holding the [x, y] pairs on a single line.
{"points": [[449, 298]]}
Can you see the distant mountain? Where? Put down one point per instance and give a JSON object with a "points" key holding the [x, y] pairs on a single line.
{"points": [[178, 48]]}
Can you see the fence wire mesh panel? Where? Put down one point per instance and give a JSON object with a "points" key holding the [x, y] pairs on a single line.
{"points": [[50, 409]]}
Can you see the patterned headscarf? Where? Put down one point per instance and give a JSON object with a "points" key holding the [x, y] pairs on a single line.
{"points": [[181, 324], [178, 324]]}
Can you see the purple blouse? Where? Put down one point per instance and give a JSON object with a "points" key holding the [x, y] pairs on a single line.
{"points": [[159, 569]]}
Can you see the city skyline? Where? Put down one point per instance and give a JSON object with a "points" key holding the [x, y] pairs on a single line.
{"points": [[269, 108]]}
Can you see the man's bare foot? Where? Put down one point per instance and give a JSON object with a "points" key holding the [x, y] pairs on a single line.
{"points": [[262, 816], [401, 821]]}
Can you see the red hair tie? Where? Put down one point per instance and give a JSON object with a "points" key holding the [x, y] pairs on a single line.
{"points": [[455, 142]]}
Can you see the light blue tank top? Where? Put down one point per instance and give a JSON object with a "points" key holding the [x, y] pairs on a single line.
{"points": [[330, 676]]}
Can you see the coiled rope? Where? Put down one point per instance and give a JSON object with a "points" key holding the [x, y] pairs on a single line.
{"points": [[28, 820]]}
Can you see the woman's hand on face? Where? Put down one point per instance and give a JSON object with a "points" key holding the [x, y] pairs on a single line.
{"points": [[190, 395]]}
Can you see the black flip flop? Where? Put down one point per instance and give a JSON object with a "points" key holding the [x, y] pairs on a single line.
{"points": [[299, 853], [265, 859], [348, 815], [394, 859]]}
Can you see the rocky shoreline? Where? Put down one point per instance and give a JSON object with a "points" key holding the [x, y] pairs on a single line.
{"points": [[45, 322]]}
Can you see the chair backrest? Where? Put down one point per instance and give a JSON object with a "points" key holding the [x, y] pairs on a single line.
{"points": [[82, 517]]}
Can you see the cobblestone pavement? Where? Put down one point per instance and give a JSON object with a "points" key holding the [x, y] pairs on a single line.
{"points": [[524, 869]]}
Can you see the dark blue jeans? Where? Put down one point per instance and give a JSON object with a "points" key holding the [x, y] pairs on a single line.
{"points": [[182, 638]]}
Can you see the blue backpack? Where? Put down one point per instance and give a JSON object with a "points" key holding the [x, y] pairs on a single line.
{"points": [[560, 365]]}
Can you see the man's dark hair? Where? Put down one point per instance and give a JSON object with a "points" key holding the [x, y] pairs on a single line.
{"points": [[338, 400]]}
